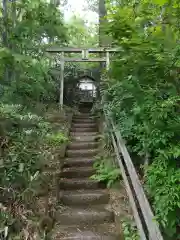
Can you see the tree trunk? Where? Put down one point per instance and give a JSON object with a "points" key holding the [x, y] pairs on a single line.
{"points": [[103, 39], [5, 34], [13, 44], [5, 18]]}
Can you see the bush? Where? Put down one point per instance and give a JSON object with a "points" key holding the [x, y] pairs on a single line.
{"points": [[56, 139], [142, 97], [106, 172], [23, 157]]}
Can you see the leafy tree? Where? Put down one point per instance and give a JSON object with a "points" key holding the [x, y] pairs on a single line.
{"points": [[81, 33], [143, 96], [29, 25]]}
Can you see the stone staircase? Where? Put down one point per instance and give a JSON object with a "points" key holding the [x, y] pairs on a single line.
{"points": [[85, 215]]}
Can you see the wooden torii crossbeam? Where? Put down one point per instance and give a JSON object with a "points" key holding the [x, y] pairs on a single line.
{"points": [[79, 50], [84, 58]]}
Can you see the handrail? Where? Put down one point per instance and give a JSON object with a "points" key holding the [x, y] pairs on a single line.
{"points": [[131, 179]]}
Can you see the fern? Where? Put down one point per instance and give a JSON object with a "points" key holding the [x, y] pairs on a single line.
{"points": [[106, 172]]}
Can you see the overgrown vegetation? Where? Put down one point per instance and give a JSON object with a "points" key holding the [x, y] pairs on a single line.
{"points": [[27, 27], [56, 139], [26, 137], [106, 171], [129, 230], [142, 96], [31, 134], [25, 151]]}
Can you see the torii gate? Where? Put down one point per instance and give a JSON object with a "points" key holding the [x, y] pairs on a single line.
{"points": [[84, 58]]}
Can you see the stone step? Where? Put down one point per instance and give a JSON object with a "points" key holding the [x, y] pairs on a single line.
{"points": [[83, 145], [77, 162], [77, 172], [82, 183], [84, 115], [84, 138], [84, 125], [82, 152], [84, 216], [83, 120], [82, 134], [85, 197], [83, 129], [106, 231]]}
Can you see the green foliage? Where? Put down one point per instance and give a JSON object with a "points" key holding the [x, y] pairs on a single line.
{"points": [[129, 231], [166, 195], [56, 139], [24, 68], [80, 34], [24, 154], [142, 96], [24, 132], [27, 82], [27, 28], [106, 172]]}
